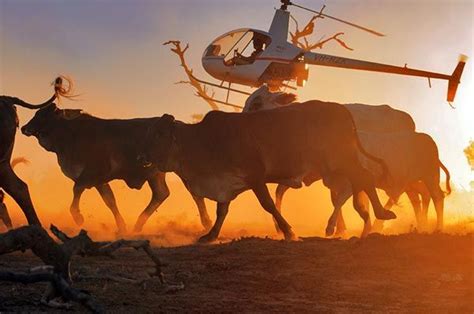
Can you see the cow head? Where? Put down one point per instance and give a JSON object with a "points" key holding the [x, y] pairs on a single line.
{"points": [[264, 99], [157, 147], [44, 124]]}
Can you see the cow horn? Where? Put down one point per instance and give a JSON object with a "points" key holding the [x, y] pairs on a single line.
{"points": [[59, 90]]}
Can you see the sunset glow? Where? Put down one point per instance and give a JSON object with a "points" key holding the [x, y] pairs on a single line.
{"points": [[237, 156], [114, 52]]}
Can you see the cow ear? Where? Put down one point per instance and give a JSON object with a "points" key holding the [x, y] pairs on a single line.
{"points": [[165, 124], [166, 120], [51, 107], [71, 114]]}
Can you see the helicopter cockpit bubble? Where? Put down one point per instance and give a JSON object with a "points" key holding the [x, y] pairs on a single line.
{"points": [[238, 47]]}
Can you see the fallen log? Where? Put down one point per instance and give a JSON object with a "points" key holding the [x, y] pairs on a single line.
{"points": [[57, 256]]}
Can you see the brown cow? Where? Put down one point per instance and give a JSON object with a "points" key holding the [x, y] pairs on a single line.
{"points": [[375, 119], [92, 152], [228, 153], [411, 157]]}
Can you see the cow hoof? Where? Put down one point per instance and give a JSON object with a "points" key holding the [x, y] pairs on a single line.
{"points": [[208, 238], [367, 230], [278, 230], [138, 228], [329, 231], [78, 218], [277, 227], [340, 233], [121, 231], [291, 237], [386, 215]]}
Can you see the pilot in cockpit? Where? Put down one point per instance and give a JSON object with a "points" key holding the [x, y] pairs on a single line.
{"points": [[258, 44]]}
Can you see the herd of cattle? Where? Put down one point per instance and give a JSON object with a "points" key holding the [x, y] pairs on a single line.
{"points": [[352, 148]]}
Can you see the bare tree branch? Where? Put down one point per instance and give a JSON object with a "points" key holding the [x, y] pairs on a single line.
{"points": [[307, 30], [299, 37], [60, 285], [200, 90], [83, 245], [57, 259], [37, 239], [320, 44]]}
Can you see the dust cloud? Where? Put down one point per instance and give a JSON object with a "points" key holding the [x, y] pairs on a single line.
{"points": [[177, 222]]}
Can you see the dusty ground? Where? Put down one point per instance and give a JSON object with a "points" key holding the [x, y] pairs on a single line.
{"points": [[405, 273]]}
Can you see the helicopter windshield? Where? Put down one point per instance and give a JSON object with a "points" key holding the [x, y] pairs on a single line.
{"points": [[243, 44]]}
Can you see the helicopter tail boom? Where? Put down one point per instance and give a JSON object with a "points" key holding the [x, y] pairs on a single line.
{"points": [[340, 62]]}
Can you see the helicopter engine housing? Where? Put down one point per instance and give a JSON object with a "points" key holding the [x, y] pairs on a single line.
{"points": [[276, 73]]}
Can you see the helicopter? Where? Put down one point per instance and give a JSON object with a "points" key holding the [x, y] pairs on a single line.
{"points": [[276, 62]]}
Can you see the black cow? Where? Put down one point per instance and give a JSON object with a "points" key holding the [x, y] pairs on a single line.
{"points": [[9, 181], [93, 151]]}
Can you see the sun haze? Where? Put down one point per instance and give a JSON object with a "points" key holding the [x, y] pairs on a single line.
{"points": [[114, 52]]}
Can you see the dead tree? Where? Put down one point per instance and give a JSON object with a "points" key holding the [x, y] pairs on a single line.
{"points": [[83, 245], [299, 37], [57, 257], [201, 91]]}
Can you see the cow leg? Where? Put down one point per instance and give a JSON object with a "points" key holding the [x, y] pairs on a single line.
{"points": [[438, 199], [415, 201], [361, 204], [18, 190], [280, 191], [201, 205], [339, 196], [340, 226], [362, 180], [378, 223], [263, 196], [5, 217], [159, 193], [77, 191], [425, 204], [107, 195], [221, 213]]}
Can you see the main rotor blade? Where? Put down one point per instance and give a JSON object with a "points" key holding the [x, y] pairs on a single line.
{"points": [[339, 20]]}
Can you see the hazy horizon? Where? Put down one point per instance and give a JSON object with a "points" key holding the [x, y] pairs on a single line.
{"points": [[113, 50]]}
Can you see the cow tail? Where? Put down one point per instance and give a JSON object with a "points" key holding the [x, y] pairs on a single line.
{"points": [[448, 177], [380, 161]]}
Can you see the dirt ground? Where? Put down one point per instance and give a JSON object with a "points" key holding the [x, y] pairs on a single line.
{"points": [[416, 273]]}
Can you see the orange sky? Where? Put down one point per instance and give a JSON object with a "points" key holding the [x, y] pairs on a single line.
{"points": [[113, 51]]}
